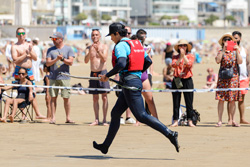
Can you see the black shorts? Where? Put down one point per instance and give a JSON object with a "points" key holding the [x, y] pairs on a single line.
{"points": [[98, 84]]}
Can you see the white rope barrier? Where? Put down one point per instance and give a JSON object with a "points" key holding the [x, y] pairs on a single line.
{"points": [[112, 89]]}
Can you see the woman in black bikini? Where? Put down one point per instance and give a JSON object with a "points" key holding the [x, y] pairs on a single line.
{"points": [[23, 94]]}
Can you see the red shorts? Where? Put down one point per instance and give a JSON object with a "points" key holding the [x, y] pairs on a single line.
{"points": [[244, 84]]}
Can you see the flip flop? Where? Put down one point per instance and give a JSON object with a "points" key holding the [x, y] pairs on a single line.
{"points": [[235, 125]]}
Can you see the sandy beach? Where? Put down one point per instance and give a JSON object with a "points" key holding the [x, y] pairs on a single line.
{"points": [[62, 145]]}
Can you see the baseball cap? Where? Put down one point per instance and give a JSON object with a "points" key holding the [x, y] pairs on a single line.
{"points": [[37, 39], [57, 35], [114, 27]]}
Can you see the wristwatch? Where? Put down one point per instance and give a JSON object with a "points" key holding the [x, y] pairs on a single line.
{"points": [[62, 59]]}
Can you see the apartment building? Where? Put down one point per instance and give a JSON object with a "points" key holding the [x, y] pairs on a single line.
{"points": [[43, 11], [223, 8], [7, 10], [119, 10], [158, 8]]}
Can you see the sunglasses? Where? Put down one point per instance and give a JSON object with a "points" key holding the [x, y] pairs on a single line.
{"points": [[21, 73], [95, 29], [21, 33], [129, 33], [185, 45], [227, 39], [53, 39]]}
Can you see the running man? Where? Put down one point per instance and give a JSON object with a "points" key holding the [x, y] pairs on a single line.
{"points": [[130, 74], [97, 54], [22, 55]]}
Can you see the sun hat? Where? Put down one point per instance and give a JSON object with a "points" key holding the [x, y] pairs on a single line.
{"points": [[228, 34], [115, 27], [181, 42]]}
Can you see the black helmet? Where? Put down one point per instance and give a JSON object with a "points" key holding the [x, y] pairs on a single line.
{"points": [[115, 27]]}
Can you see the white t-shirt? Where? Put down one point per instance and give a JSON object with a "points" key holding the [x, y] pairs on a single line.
{"points": [[243, 66], [8, 52]]}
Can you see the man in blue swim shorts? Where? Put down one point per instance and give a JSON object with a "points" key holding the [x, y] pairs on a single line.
{"points": [[22, 55]]}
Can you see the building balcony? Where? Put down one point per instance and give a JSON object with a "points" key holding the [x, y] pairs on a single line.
{"points": [[165, 11], [166, 2]]}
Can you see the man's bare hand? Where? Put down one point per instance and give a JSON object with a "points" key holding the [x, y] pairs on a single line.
{"points": [[59, 57], [103, 78], [96, 47], [30, 48]]}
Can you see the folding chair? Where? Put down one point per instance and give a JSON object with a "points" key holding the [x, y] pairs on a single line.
{"points": [[23, 110]]}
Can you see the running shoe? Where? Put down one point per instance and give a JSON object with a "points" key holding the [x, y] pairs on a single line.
{"points": [[130, 121], [122, 121]]}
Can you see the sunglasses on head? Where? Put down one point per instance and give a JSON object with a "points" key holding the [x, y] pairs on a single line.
{"points": [[227, 39], [185, 45], [21, 33], [95, 29], [21, 73]]}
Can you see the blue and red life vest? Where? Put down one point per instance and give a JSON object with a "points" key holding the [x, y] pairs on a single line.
{"points": [[135, 58]]}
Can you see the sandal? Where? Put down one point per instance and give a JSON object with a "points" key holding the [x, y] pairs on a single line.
{"points": [[234, 124]]}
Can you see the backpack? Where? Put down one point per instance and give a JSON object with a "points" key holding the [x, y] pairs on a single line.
{"points": [[195, 116]]}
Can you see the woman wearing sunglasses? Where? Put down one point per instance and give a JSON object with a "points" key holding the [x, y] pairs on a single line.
{"points": [[23, 94], [228, 59], [182, 64]]}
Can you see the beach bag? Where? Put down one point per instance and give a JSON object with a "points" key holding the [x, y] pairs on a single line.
{"points": [[178, 82], [195, 117], [226, 73]]}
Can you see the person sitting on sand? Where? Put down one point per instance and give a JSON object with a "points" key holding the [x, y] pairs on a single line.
{"points": [[211, 79], [23, 94]]}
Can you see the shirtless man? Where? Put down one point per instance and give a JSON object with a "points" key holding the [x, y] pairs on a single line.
{"points": [[97, 54], [22, 55]]}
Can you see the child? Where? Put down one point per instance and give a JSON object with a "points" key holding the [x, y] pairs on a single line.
{"points": [[46, 90], [211, 79]]}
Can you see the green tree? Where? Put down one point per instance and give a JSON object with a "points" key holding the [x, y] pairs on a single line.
{"points": [[94, 14], [230, 18], [211, 19], [106, 17], [165, 17], [183, 18], [121, 20], [81, 16]]}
